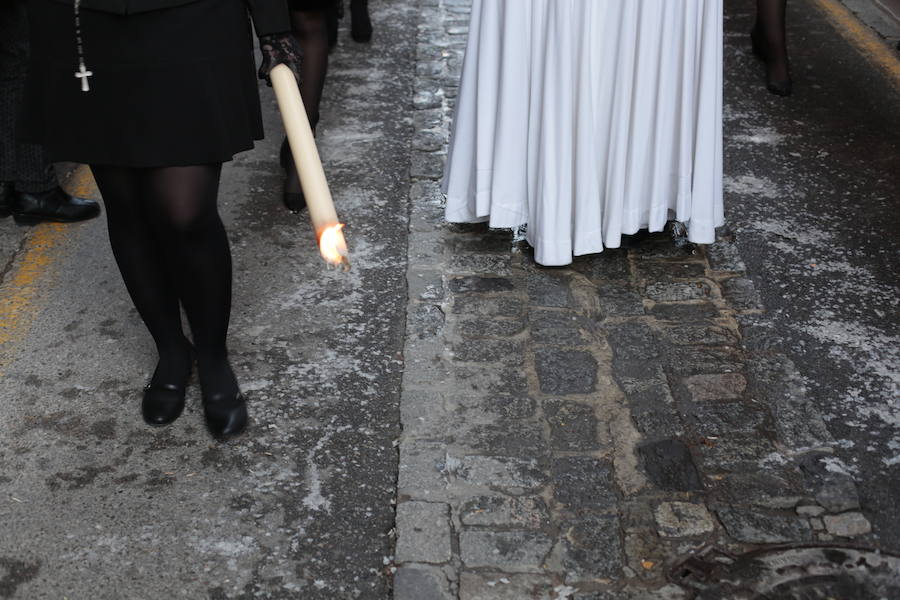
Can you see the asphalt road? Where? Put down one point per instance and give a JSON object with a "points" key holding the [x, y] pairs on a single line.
{"points": [[813, 196]]}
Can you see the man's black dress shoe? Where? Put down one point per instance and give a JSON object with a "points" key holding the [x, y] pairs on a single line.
{"points": [[226, 416], [6, 198], [55, 205]]}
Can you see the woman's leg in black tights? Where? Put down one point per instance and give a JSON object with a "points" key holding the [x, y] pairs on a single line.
{"points": [[182, 203], [360, 21], [310, 27], [138, 253], [770, 33]]}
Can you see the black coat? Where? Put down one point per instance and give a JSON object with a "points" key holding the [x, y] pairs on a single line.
{"points": [[269, 16]]}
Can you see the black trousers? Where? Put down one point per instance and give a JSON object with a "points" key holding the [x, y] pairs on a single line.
{"points": [[25, 165]]}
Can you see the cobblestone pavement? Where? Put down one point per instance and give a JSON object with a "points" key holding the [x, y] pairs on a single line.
{"points": [[616, 429]]}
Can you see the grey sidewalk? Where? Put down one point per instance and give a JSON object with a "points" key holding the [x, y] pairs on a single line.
{"points": [[634, 425]]}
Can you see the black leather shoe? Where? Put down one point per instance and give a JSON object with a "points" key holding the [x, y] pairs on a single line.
{"points": [[163, 403], [55, 205], [226, 416], [6, 198], [780, 88]]}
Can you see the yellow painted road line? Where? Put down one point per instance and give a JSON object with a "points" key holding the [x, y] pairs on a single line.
{"points": [[866, 41], [20, 299]]}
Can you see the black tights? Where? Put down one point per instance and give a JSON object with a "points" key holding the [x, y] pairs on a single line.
{"points": [[171, 248], [310, 27], [770, 27]]}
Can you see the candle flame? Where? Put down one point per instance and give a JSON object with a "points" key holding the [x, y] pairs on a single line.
{"points": [[333, 246]]}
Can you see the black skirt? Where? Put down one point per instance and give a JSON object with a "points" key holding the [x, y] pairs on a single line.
{"points": [[171, 87]]}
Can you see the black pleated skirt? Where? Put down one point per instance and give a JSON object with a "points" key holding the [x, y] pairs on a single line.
{"points": [[171, 87]]}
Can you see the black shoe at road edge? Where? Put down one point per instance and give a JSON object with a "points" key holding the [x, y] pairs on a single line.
{"points": [[55, 205], [6, 198]]}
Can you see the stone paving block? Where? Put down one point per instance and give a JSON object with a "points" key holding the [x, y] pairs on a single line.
{"points": [[428, 141], [426, 285], [555, 327], [505, 586], [659, 246], [685, 313], [751, 527], [735, 452], [425, 247], [489, 351], [423, 414], [656, 420], [427, 166], [498, 379], [832, 487], [421, 582], [482, 264], [633, 340], [474, 283], [573, 426], [490, 242], [529, 512], [592, 548], [609, 265], [636, 369], [670, 466], [678, 291], [620, 301], [799, 425], [428, 119], [548, 289], [425, 321], [505, 306], [724, 256], [494, 327], [513, 551], [847, 525], [699, 360], [722, 418], [420, 472], [502, 406], [683, 519], [770, 488], [653, 271], [524, 438], [505, 474], [741, 294], [709, 335], [721, 386], [426, 218], [423, 532], [584, 483], [566, 371]]}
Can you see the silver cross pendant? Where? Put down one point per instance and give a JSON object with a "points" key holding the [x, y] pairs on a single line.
{"points": [[83, 74]]}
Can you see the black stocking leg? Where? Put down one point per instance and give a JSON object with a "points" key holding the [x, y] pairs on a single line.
{"points": [[770, 42], [311, 29], [182, 206], [360, 21], [139, 256]]}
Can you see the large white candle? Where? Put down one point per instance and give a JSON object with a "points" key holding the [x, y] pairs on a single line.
{"points": [[324, 217]]}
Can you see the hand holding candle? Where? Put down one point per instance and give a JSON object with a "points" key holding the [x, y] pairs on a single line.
{"points": [[324, 217]]}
